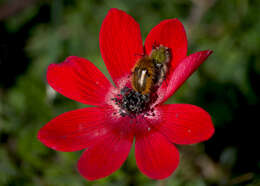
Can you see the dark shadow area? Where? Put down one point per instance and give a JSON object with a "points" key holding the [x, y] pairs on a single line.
{"points": [[236, 118], [13, 58]]}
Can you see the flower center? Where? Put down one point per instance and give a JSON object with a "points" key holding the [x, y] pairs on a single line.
{"points": [[131, 103]]}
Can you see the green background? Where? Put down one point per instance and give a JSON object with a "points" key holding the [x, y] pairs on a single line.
{"points": [[35, 33]]}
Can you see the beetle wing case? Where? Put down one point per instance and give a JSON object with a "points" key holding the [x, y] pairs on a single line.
{"points": [[142, 77]]}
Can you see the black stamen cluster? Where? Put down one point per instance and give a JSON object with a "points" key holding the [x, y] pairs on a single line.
{"points": [[131, 102]]}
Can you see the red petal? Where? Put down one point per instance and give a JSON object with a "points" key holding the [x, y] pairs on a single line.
{"points": [[103, 159], [182, 73], [169, 33], [78, 79], [156, 157], [120, 43], [185, 124], [80, 129]]}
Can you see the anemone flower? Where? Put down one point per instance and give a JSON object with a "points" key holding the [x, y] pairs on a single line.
{"points": [[122, 112]]}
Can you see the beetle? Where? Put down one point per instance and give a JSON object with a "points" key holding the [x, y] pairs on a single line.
{"points": [[143, 75], [160, 56], [150, 71]]}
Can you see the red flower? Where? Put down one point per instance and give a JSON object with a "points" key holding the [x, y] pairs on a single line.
{"points": [[121, 114]]}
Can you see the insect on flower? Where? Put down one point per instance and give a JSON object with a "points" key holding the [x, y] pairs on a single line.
{"points": [[160, 56], [150, 71], [132, 109], [143, 75]]}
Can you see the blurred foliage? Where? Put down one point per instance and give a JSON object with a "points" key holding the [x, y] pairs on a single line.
{"points": [[226, 85]]}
